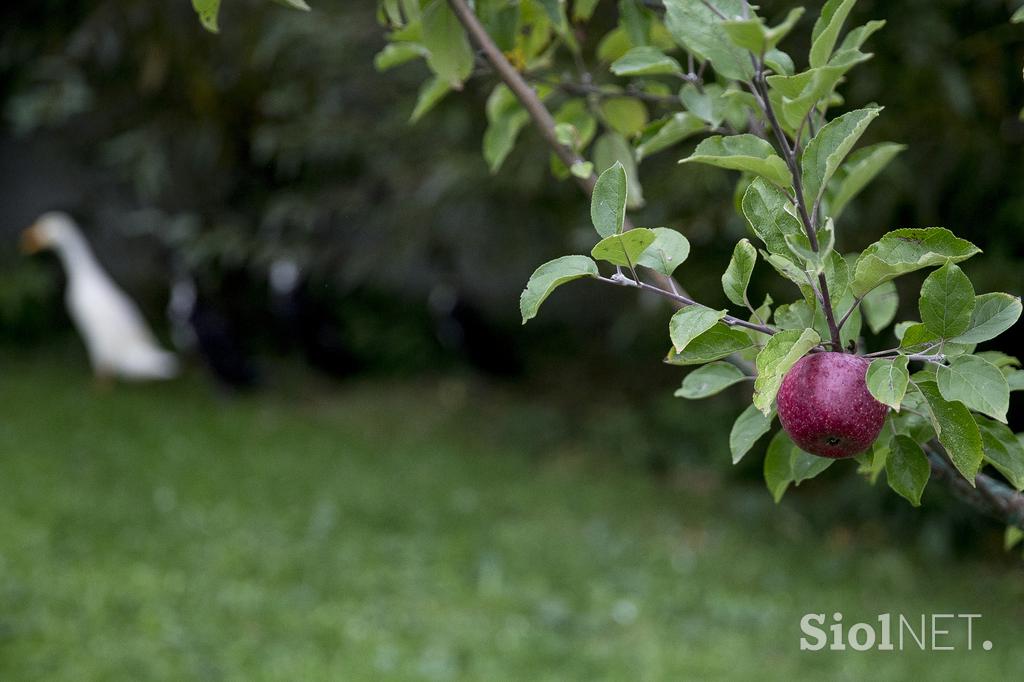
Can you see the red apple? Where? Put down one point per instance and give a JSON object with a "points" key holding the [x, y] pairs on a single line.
{"points": [[826, 408]]}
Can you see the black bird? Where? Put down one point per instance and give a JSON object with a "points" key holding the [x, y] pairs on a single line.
{"points": [[199, 325], [306, 315], [462, 328]]}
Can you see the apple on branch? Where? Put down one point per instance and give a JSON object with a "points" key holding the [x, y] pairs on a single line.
{"points": [[825, 406]]}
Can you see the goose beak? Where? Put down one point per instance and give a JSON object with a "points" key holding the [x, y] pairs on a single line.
{"points": [[31, 240]]}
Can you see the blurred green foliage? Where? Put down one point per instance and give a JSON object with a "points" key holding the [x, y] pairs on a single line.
{"points": [[379, 532]]}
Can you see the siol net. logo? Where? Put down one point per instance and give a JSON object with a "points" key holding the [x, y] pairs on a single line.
{"points": [[934, 632]]}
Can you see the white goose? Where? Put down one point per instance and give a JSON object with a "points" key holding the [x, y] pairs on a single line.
{"points": [[119, 342]]}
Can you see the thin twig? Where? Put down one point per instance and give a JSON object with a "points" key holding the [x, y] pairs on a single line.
{"points": [[521, 89], [683, 300], [584, 89], [856, 303], [923, 356], [789, 154]]}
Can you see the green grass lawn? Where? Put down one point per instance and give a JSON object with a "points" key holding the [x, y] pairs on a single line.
{"points": [[390, 531]]}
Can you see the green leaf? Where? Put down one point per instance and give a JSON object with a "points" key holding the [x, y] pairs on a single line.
{"points": [[785, 463], [779, 62], [690, 322], [576, 114], [502, 21], [673, 130], [993, 314], [1018, 16], [1003, 450], [814, 260], [920, 340], [207, 11], [791, 271], [506, 118], [918, 427], [804, 466], [947, 301], [781, 352], [396, 54], [548, 277], [608, 205], [765, 208], [389, 13], [582, 10], [887, 380], [582, 169], [956, 429], [744, 152], [856, 38], [778, 469], [613, 45], [880, 305], [795, 96], [737, 276], [1015, 380], [294, 4], [752, 34], [907, 469], [749, 34], [826, 30], [450, 54], [837, 275], [716, 343], [860, 168], [824, 153], [900, 330], [873, 461], [798, 315], [559, 22], [977, 384], [999, 359], [634, 20], [747, 430], [1013, 534], [431, 92], [708, 104], [400, 13], [645, 61], [698, 29], [553, 8], [625, 115], [624, 249], [710, 380], [906, 250], [669, 250], [612, 148]]}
